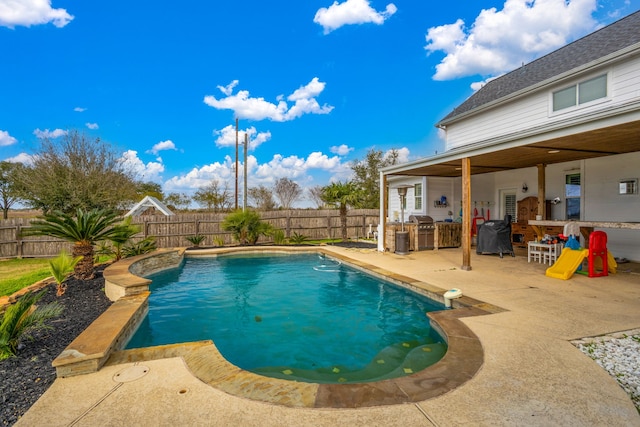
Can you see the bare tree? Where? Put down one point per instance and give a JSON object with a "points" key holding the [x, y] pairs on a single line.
{"points": [[178, 200], [214, 196], [77, 173], [315, 194], [262, 197], [287, 192]]}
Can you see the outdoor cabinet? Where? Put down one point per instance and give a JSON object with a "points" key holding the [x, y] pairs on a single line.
{"points": [[447, 235], [521, 231]]}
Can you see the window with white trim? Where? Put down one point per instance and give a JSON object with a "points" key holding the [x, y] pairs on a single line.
{"points": [[572, 192], [417, 194], [581, 93]]}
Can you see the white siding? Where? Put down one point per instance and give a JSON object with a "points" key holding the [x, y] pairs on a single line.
{"points": [[395, 210], [626, 81], [498, 121], [535, 110], [438, 187]]}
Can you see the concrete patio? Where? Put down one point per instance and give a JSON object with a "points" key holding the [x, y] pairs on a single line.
{"points": [[532, 374]]}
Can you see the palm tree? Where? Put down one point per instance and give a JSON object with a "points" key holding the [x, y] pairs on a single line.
{"points": [[60, 268], [84, 231], [341, 194]]}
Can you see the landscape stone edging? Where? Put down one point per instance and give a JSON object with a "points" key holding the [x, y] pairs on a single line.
{"points": [[6, 301], [111, 331], [123, 278]]}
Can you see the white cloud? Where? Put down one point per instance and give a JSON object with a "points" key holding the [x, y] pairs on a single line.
{"points": [[478, 85], [79, 109], [161, 146], [351, 12], [151, 171], [92, 126], [23, 158], [6, 139], [246, 107], [292, 167], [200, 177], [228, 89], [403, 154], [341, 150], [31, 12], [226, 137], [501, 40], [52, 134]]}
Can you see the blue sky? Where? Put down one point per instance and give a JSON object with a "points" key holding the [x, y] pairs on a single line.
{"points": [[315, 84]]}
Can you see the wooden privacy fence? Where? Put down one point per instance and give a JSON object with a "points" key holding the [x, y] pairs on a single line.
{"points": [[171, 231]]}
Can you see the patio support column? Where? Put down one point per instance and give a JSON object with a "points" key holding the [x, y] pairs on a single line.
{"points": [[466, 217], [384, 208], [541, 191]]}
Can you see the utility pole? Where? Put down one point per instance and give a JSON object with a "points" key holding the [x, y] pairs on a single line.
{"points": [[246, 147], [236, 163]]}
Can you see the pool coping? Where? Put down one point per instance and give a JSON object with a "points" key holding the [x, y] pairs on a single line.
{"points": [[102, 342]]}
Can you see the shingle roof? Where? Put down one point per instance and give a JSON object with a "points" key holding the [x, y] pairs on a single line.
{"points": [[609, 39]]}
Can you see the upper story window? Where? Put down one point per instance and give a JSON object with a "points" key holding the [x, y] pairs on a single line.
{"points": [[581, 93]]}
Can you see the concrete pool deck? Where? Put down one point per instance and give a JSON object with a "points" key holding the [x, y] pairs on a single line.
{"points": [[531, 373]]}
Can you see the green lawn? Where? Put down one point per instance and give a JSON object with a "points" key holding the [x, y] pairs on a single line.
{"points": [[16, 274]]}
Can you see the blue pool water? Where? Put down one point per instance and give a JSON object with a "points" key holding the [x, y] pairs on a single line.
{"points": [[295, 316]]}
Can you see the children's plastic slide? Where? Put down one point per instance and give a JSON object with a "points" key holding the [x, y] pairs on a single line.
{"points": [[567, 263]]}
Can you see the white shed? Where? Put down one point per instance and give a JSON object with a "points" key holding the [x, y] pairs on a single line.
{"points": [[146, 203]]}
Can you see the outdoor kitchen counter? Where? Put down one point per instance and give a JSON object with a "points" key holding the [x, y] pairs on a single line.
{"points": [[390, 235], [586, 227]]}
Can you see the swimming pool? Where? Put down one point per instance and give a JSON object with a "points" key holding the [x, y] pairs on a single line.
{"points": [[303, 317]]}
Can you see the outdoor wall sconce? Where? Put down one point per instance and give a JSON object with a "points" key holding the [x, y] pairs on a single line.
{"points": [[524, 187]]}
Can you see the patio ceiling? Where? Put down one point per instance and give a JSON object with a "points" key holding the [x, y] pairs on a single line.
{"points": [[601, 142]]}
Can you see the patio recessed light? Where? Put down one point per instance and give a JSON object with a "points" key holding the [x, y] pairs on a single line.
{"points": [[553, 151]]}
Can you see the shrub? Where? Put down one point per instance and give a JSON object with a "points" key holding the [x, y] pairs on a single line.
{"points": [[246, 226], [298, 239], [218, 241], [114, 246], [138, 248], [196, 239], [278, 237], [21, 319]]}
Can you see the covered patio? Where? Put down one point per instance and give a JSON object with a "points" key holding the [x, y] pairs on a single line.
{"points": [[616, 133]]}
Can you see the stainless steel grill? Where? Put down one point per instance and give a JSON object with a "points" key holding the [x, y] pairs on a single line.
{"points": [[426, 230]]}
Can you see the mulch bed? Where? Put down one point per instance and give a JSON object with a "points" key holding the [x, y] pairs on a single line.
{"points": [[24, 378]]}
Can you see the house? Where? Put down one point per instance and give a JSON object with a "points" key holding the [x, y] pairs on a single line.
{"points": [[565, 127]]}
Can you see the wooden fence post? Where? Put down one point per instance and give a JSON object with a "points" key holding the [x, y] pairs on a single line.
{"points": [[18, 241], [288, 225]]}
